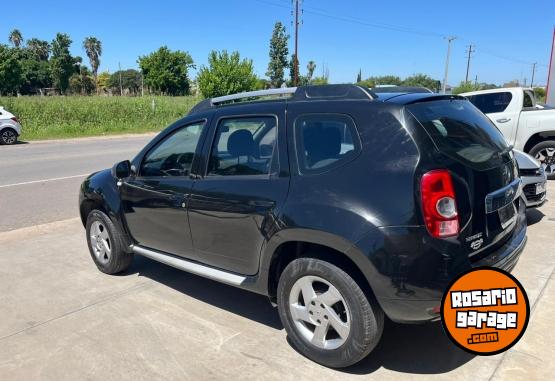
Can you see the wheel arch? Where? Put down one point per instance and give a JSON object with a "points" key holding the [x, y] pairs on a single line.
{"points": [[538, 138], [299, 243]]}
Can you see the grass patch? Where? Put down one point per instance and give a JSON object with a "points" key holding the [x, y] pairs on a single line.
{"points": [[76, 116]]}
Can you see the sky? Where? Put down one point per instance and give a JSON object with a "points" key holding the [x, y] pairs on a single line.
{"points": [[377, 37]]}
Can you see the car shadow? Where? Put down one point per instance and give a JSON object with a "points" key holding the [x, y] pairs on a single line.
{"points": [[533, 216], [411, 349], [235, 300]]}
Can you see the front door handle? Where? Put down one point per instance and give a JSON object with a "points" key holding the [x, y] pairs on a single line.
{"points": [[503, 120]]}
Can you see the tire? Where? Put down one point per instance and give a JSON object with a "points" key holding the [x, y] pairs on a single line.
{"points": [[326, 314], [106, 244], [8, 136], [545, 153]]}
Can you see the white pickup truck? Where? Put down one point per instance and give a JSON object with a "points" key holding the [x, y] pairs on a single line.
{"points": [[527, 126]]}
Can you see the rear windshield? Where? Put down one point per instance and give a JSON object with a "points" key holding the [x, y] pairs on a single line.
{"points": [[461, 131]]}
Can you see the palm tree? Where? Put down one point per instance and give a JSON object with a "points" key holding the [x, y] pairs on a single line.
{"points": [[93, 47], [15, 38], [310, 67]]}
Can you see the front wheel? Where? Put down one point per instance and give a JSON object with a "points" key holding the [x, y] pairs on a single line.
{"points": [[544, 152], [327, 316], [8, 136], [106, 244]]}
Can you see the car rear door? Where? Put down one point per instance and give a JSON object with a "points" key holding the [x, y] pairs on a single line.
{"points": [[155, 199], [501, 107], [233, 207]]}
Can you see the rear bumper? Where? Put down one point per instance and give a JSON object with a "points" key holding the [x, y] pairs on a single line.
{"points": [[412, 276]]}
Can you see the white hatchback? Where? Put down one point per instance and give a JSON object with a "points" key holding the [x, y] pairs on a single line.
{"points": [[10, 129]]}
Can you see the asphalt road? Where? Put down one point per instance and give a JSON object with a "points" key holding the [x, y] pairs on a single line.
{"points": [[39, 181]]}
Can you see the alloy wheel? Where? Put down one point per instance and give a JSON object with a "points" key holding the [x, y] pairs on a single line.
{"points": [[9, 137], [101, 244], [547, 159], [320, 313]]}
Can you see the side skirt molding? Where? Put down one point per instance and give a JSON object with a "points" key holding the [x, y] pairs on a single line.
{"points": [[192, 267]]}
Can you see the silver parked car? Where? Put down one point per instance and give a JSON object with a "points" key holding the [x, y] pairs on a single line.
{"points": [[534, 179]]}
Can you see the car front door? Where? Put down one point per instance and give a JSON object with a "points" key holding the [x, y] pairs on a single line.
{"points": [[155, 199], [233, 208]]}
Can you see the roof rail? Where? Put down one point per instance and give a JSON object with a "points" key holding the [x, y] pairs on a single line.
{"points": [[302, 93], [253, 94]]}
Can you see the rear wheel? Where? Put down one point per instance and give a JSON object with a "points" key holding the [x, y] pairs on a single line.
{"points": [[106, 244], [8, 136], [544, 152], [327, 316]]}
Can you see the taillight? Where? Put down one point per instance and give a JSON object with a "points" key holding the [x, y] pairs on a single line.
{"points": [[439, 204], [14, 119]]}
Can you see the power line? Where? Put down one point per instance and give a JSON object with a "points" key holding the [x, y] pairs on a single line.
{"points": [[398, 28]]}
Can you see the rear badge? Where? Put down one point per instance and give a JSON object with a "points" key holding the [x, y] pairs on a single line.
{"points": [[475, 245], [477, 241]]}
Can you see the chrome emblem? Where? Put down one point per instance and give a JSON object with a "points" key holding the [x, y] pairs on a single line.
{"points": [[475, 245]]}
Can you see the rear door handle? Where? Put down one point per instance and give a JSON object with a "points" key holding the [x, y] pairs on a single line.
{"points": [[503, 120]]}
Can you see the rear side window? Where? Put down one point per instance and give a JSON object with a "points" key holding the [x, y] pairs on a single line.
{"points": [[527, 102], [490, 103], [324, 141], [458, 129]]}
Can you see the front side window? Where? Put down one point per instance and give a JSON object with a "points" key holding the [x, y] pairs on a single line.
{"points": [[243, 146], [324, 140], [174, 155], [490, 103]]}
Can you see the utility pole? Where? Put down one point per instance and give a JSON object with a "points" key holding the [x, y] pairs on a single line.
{"points": [[449, 39], [476, 82], [470, 51], [120, 86], [533, 72], [296, 60]]}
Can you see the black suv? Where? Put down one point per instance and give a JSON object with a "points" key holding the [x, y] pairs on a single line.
{"points": [[339, 205]]}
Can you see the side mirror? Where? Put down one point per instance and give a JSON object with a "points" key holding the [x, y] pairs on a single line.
{"points": [[122, 169]]}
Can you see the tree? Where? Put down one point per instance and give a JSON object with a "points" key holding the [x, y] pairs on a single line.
{"points": [[278, 55], [82, 82], [35, 72], [294, 63], [464, 87], [359, 76], [93, 48], [539, 92], [381, 80], [39, 49], [15, 38], [320, 80], [103, 81], [10, 70], [226, 74], [421, 80], [130, 81], [61, 63], [310, 67], [166, 72]]}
